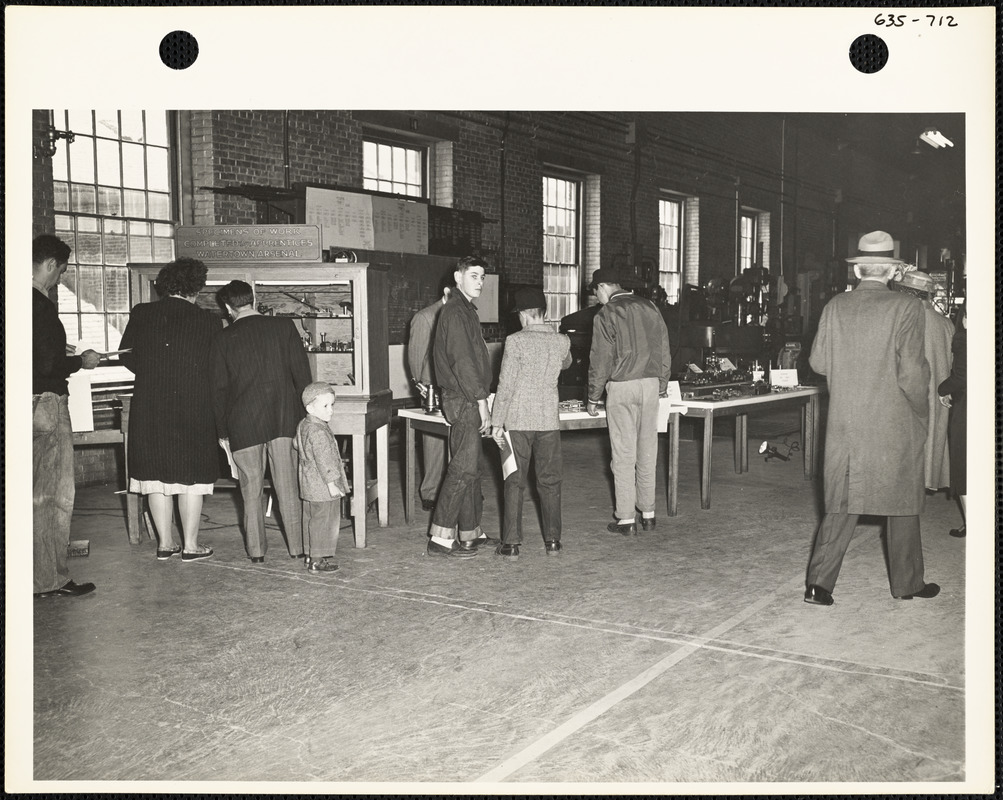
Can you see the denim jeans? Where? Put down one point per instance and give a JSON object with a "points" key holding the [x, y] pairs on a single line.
{"points": [[460, 501], [53, 490], [632, 418], [545, 448]]}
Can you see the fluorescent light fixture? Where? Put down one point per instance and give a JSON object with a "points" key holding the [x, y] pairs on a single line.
{"points": [[935, 138]]}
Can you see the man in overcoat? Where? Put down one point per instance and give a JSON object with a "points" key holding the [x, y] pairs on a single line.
{"points": [[870, 346], [937, 340]]}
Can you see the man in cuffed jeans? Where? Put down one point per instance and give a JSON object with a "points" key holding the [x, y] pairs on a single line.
{"points": [[463, 369], [53, 487]]}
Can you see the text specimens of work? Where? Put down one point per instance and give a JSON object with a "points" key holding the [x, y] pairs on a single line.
{"points": [[368, 222], [248, 242]]}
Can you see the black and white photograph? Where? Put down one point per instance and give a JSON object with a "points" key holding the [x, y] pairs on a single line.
{"points": [[529, 400]]}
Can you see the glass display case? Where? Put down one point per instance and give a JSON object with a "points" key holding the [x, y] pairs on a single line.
{"points": [[341, 313]]}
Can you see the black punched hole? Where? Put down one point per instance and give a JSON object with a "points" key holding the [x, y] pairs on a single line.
{"points": [[868, 53], [179, 49]]}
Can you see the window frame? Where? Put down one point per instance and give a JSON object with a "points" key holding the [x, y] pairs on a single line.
{"points": [[679, 201], [424, 150], [743, 261], [571, 301], [116, 238]]}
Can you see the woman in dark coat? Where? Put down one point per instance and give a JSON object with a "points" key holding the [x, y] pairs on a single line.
{"points": [[953, 395], [172, 434]]}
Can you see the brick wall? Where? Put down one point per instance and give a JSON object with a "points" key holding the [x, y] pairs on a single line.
{"points": [[42, 199], [818, 197]]}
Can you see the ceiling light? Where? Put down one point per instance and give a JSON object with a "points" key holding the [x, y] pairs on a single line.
{"points": [[935, 138]]}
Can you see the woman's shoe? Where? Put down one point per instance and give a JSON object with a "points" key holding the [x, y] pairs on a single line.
{"points": [[325, 564], [163, 555], [195, 555], [958, 533]]}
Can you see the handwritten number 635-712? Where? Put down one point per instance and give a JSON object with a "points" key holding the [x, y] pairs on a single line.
{"points": [[898, 20]]}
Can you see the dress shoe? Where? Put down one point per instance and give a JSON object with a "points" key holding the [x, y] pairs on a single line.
{"points": [[470, 546], [508, 551], [163, 555], [626, 529], [958, 533], [485, 540], [648, 523], [428, 505], [818, 596], [70, 589], [326, 564], [195, 555], [298, 555], [928, 591], [552, 548], [436, 549], [257, 559]]}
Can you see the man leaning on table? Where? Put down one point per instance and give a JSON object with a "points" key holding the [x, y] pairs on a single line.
{"points": [[631, 362], [870, 348], [420, 362], [53, 487]]}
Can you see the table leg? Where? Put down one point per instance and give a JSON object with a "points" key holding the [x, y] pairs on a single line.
{"points": [[382, 474], [409, 478], [672, 479], [708, 440], [133, 516], [810, 437], [741, 443], [359, 487]]}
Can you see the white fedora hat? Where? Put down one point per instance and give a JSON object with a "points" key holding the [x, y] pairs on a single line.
{"points": [[876, 247]]}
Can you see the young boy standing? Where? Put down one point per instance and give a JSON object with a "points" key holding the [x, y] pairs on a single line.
{"points": [[321, 477], [526, 406]]}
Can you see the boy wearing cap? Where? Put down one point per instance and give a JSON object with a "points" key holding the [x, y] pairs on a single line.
{"points": [[525, 405], [869, 346], [321, 476]]}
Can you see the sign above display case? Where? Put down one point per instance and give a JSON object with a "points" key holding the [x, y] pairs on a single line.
{"points": [[249, 243]]}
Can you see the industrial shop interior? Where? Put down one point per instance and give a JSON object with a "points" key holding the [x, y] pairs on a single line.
{"points": [[684, 647]]}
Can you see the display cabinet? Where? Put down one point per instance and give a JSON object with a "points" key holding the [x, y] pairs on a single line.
{"points": [[341, 313]]}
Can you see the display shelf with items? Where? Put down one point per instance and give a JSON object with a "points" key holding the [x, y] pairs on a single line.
{"points": [[341, 313]]}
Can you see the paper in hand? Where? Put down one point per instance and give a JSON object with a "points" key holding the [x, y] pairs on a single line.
{"points": [[507, 456], [229, 459]]}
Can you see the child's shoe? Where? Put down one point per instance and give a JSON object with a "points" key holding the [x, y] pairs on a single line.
{"points": [[325, 564]]}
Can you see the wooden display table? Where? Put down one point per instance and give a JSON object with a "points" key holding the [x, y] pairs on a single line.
{"points": [[740, 408], [417, 419]]}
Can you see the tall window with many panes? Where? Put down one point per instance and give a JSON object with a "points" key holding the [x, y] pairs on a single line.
{"points": [[670, 245], [394, 168], [561, 245], [113, 206], [746, 241]]}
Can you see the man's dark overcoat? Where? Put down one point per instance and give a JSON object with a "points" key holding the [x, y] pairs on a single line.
{"points": [[870, 347]]}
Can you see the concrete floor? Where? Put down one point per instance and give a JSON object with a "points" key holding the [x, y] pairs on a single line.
{"points": [[684, 655]]}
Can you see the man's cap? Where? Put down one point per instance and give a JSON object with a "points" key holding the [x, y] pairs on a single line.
{"points": [[604, 275], [917, 281], [528, 298], [876, 247], [315, 390]]}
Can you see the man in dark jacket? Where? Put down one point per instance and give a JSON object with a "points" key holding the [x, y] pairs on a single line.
{"points": [[631, 362], [260, 370], [463, 370], [869, 345], [53, 488], [420, 362]]}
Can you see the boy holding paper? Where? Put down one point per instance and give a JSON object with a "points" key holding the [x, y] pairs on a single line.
{"points": [[525, 418]]}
